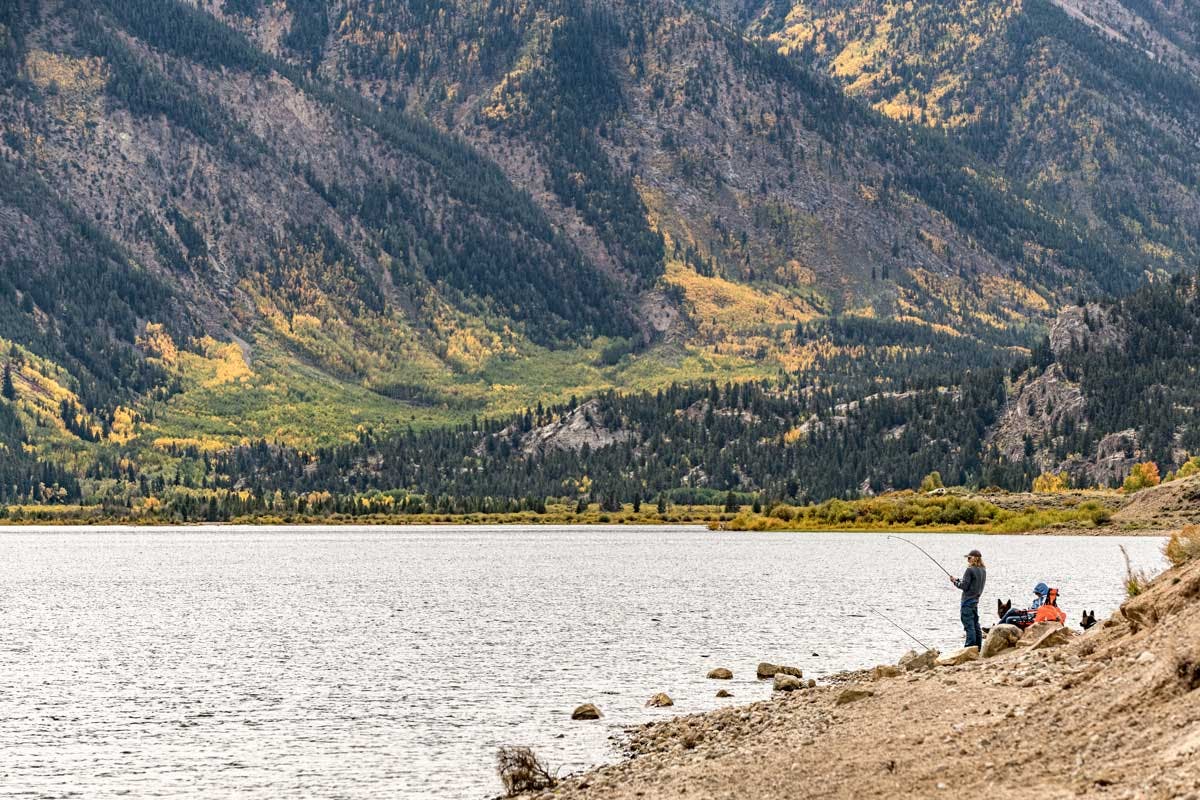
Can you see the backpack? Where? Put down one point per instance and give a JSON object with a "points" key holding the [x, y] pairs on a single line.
{"points": [[1049, 610]]}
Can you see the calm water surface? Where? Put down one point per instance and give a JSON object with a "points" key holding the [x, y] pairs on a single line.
{"points": [[264, 663]]}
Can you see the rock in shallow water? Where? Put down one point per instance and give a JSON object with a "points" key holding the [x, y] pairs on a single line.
{"points": [[660, 700], [724, 693], [769, 670], [720, 674], [586, 711]]}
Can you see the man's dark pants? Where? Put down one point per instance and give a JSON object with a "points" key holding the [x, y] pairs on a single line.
{"points": [[970, 621]]}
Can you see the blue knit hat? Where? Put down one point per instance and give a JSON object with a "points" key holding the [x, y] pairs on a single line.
{"points": [[1041, 590]]}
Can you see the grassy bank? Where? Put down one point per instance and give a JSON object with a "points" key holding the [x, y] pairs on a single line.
{"points": [[917, 512], [897, 511], [902, 511]]}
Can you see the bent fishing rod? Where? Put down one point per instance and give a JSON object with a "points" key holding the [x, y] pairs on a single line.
{"points": [[922, 549]]}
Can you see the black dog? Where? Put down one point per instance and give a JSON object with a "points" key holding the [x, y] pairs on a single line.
{"points": [[1003, 608], [1089, 619]]}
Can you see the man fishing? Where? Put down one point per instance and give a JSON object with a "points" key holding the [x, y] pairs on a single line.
{"points": [[971, 584]]}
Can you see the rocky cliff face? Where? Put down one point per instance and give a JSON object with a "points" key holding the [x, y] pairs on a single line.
{"points": [[1039, 405], [1047, 408], [582, 427], [1085, 326]]}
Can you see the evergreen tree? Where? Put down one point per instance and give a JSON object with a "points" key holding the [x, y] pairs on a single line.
{"points": [[6, 388]]}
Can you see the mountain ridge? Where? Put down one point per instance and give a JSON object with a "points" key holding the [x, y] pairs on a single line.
{"points": [[348, 216]]}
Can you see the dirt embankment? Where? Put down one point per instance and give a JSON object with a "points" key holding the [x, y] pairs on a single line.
{"points": [[1113, 713], [1166, 506]]}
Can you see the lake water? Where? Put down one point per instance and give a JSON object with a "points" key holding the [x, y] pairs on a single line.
{"points": [[261, 663]]}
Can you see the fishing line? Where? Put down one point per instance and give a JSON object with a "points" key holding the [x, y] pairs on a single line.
{"points": [[922, 549], [906, 633]]}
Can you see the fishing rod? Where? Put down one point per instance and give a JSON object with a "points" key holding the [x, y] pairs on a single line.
{"points": [[906, 633], [922, 549]]}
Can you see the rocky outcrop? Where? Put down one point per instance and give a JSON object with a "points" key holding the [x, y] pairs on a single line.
{"points": [[1084, 326], [1049, 402], [1054, 637], [1115, 455], [1038, 404], [912, 661], [584, 426], [961, 657], [1035, 632], [999, 639], [700, 409]]}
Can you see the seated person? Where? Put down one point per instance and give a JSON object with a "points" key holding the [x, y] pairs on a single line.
{"points": [[1024, 617], [1048, 610]]}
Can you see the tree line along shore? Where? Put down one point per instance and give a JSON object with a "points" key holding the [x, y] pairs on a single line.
{"points": [[938, 509]]}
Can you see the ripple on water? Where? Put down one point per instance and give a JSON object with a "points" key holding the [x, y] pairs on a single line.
{"points": [[382, 663]]}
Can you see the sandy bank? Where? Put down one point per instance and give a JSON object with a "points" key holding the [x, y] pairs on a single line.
{"points": [[1114, 713]]}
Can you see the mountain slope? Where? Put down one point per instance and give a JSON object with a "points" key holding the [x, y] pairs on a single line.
{"points": [[294, 216], [1112, 385], [316, 217], [1090, 104]]}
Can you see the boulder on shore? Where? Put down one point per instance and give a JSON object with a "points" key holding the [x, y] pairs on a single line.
{"points": [[853, 694], [961, 657], [1052, 638], [787, 683], [912, 661], [999, 639], [885, 671], [586, 711], [720, 674], [768, 670], [660, 700], [1035, 631]]}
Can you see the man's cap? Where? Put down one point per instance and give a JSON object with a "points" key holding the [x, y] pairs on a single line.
{"points": [[974, 554]]}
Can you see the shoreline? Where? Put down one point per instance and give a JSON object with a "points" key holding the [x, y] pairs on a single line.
{"points": [[317, 522], [1115, 709], [1151, 512]]}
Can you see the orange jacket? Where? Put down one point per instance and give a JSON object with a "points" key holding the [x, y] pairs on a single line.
{"points": [[1049, 613]]}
